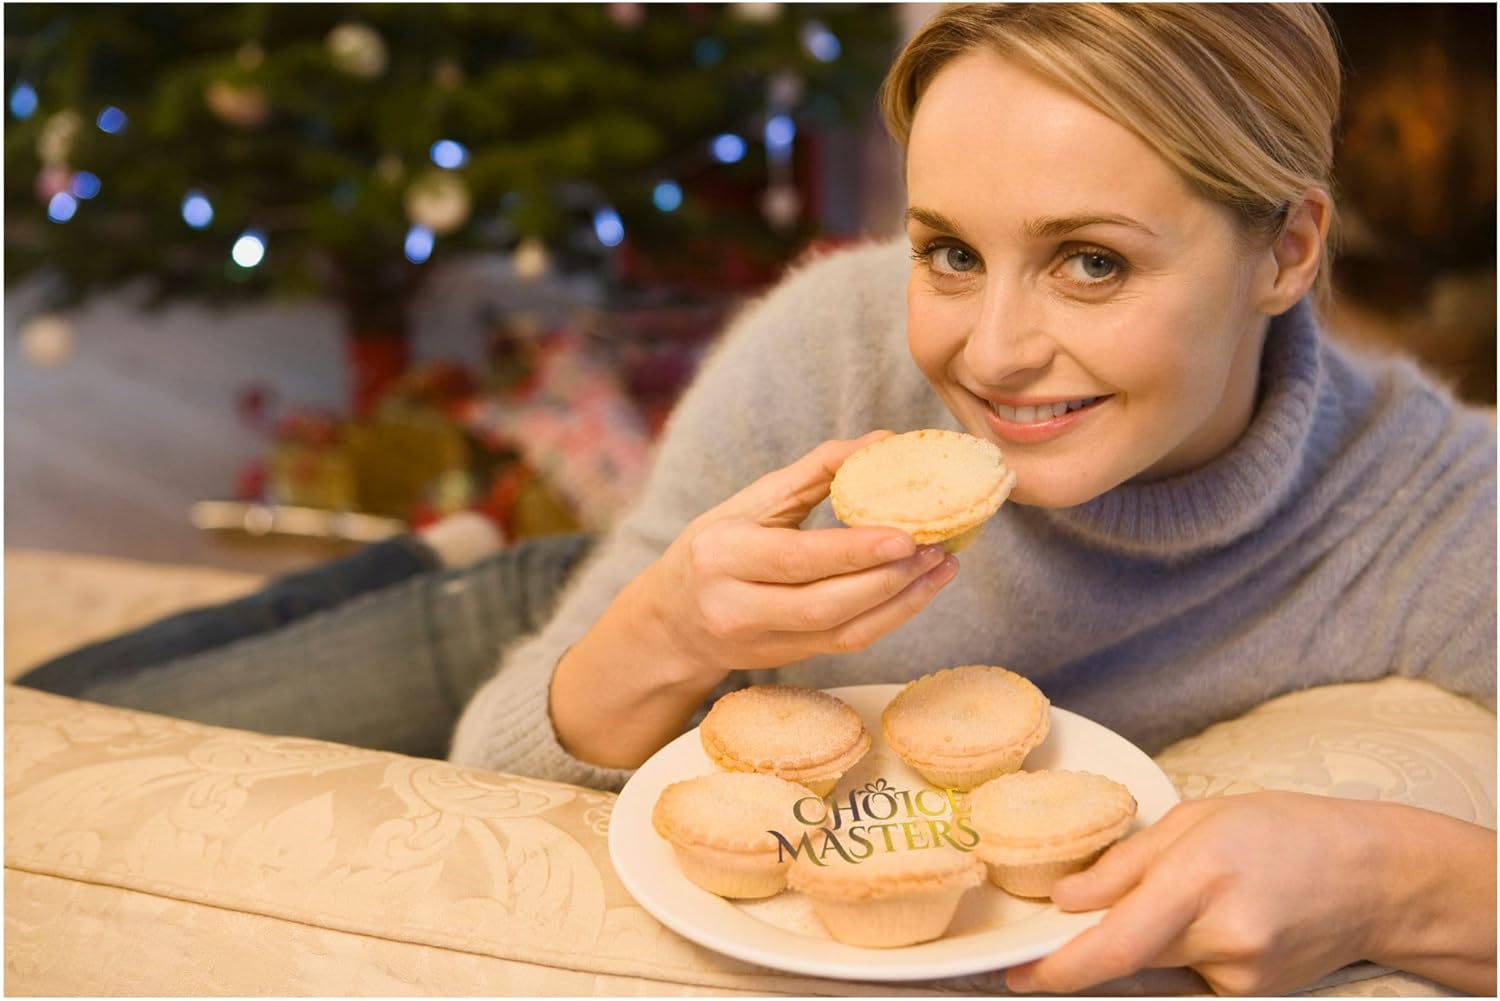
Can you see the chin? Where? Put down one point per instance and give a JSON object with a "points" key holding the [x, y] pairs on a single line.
{"points": [[1039, 490]]}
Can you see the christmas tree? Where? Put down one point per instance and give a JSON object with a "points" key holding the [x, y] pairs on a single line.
{"points": [[225, 152]]}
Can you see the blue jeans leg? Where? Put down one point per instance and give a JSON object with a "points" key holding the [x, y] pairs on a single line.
{"points": [[280, 603], [378, 652]]}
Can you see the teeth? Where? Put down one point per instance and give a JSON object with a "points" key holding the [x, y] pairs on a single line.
{"points": [[1045, 412]]}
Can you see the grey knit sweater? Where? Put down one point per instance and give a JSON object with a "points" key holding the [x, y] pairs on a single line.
{"points": [[1349, 534]]}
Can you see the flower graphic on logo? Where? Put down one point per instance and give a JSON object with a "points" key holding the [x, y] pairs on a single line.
{"points": [[878, 786]]}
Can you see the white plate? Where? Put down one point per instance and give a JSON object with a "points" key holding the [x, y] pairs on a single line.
{"points": [[992, 929]]}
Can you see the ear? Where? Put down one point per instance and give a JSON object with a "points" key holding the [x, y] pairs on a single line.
{"points": [[1297, 251]]}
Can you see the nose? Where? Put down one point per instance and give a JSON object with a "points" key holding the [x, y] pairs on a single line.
{"points": [[1009, 338]]}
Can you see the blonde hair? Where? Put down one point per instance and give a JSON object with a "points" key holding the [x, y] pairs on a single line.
{"points": [[1242, 99]]}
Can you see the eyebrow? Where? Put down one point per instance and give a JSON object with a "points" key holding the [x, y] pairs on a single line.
{"points": [[1043, 227], [932, 220], [1054, 226]]}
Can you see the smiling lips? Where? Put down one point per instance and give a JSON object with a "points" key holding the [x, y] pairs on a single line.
{"points": [[1039, 422], [1041, 412]]}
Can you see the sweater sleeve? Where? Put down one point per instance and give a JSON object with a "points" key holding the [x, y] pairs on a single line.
{"points": [[762, 398]]}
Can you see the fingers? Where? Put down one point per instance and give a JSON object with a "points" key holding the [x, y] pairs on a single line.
{"points": [[1126, 862], [1140, 931], [837, 615], [1148, 918], [785, 496], [828, 604], [864, 629], [1116, 872], [789, 556]]}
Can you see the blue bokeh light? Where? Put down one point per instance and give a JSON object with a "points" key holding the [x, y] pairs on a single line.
{"points": [[197, 210], [249, 250], [728, 148], [667, 196], [419, 244], [608, 227], [780, 131], [344, 196], [112, 120], [23, 101], [85, 185], [822, 44], [448, 154], [61, 207], [708, 52]]}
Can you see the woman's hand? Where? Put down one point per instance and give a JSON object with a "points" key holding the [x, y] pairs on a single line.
{"points": [[743, 587], [1265, 893]]}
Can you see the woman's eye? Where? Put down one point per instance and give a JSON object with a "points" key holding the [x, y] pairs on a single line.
{"points": [[953, 260], [1091, 267]]}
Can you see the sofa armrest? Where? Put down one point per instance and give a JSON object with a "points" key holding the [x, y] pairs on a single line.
{"points": [[148, 855], [1395, 740], [292, 832]]}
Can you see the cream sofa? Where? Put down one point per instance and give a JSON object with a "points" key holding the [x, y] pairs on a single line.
{"points": [[151, 856]]}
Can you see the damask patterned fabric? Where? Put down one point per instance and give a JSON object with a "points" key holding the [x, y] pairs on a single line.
{"points": [[146, 855]]}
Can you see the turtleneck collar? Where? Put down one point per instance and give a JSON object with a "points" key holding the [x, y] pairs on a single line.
{"points": [[1236, 492]]}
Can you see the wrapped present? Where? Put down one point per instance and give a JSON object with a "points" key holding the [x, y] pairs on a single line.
{"points": [[523, 504], [311, 464], [555, 442], [401, 452], [575, 426]]}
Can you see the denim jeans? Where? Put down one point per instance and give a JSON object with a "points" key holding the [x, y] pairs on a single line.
{"points": [[381, 648]]}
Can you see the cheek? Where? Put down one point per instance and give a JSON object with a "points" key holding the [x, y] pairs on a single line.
{"points": [[1174, 357], [935, 330]]}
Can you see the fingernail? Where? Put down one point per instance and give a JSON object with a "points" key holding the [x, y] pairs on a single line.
{"points": [[929, 556], [1020, 981], [946, 569], [894, 549]]}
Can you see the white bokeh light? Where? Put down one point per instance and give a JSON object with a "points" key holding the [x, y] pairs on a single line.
{"points": [[249, 250]]}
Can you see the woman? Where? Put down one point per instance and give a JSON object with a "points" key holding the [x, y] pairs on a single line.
{"points": [[1117, 222]]}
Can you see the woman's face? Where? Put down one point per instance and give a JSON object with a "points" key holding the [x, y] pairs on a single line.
{"points": [[1071, 299]]}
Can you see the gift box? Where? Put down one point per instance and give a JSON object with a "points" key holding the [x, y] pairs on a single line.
{"points": [[402, 454], [311, 464]]}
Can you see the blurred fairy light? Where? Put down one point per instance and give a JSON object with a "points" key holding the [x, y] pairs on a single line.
{"points": [[197, 211], [708, 52], [344, 196], [667, 196], [448, 154], [822, 44], [23, 100], [419, 244], [728, 148], [608, 227], [85, 185], [780, 131], [249, 250], [61, 207], [112, 120]]}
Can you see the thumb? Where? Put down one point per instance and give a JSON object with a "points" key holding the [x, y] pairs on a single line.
{"points": [[1116, 872], [785, 496]]}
